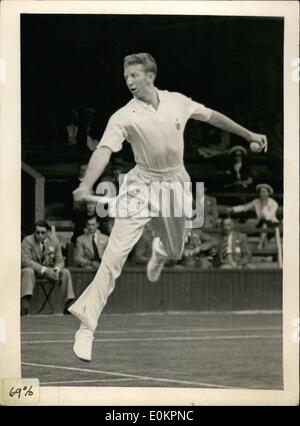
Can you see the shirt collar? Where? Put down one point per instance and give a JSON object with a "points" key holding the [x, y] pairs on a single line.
{"points": [[142, 106], [265, 201], [44, 243]]}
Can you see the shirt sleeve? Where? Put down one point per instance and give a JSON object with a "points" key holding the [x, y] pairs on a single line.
{"points": [[244, 207], [198, 111], [114, 134]]}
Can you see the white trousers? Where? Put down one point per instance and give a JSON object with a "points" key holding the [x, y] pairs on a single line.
{"points": [[126, 232]]}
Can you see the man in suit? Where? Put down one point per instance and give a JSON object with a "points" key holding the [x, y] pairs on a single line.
{"points": [[80, 219], [234, 251], [90, 247], [210, 211], [41, 256]]}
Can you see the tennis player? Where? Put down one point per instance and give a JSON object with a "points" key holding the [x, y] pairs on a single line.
{"points": [[153, 122]]}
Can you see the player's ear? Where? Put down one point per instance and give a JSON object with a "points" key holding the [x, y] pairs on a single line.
{"points": [[151, 76]]}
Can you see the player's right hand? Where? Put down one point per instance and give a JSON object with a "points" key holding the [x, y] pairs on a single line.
{"points": [[81, 194], [261, 140]]}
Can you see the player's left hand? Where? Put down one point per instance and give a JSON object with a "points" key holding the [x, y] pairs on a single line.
{"points": [[261, 139]]}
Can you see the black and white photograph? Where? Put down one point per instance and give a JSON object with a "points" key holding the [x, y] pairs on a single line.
{"points": [[155, 201]]}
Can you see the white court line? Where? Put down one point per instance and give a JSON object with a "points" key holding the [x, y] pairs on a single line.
{"points": [[88, 381], [170, 313], [161, 339], [144, 331], [134, 376]]}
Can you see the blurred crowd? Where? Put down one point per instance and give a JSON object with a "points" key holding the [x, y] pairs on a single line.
{"points": [[80, 128], [219, 243]]}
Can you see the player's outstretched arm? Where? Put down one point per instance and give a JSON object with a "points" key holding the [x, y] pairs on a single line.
{"points": [[225, 123], [97, 164]]}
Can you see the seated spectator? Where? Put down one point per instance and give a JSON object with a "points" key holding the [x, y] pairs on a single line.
{"points": [[214, 144], [233, 250], [210, 211], [143, 249], [197, 250], [265, 208], [80, 218], [70, 135], [85, 128], [238, 173], [76, 180], [41, 257], [90, 246], [88, 117]]}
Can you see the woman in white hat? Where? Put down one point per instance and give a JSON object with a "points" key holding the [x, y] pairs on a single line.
{"points": [[265, 207], [239, 175]]}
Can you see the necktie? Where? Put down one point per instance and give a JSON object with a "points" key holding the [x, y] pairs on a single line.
{"points": [[225, 247], [43, 251], [95, 249]]}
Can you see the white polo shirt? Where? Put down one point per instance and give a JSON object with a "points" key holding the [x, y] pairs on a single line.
{"points": [[156, 136]]}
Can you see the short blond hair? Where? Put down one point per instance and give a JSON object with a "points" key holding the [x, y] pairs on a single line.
{"points": [[144, 59]]}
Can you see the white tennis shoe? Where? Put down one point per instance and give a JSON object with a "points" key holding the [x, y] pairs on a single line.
{"points": [[83, 343], [155, 264]]}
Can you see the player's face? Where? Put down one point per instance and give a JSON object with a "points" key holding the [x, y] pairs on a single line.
{"points": [[40, 234], [138, 80]]}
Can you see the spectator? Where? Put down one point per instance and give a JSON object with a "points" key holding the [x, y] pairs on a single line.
{"points": [[89, 114], [233, 250], [265, 208], [143, 249], [216, 142], [41, 257], [81, 212], [80, 218], [210, 211], [71, 127], [76, 180], [90, 246], [197, 250], [238, 172], [84, 135]]}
